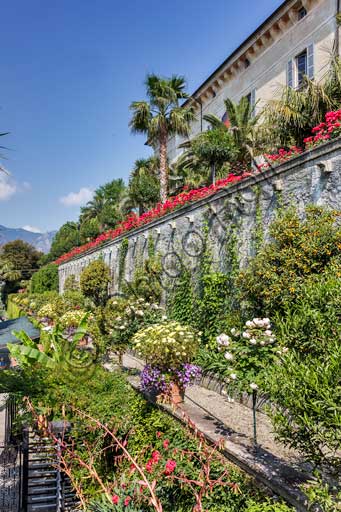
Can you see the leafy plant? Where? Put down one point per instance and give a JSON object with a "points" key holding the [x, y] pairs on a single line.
{"points": [[94, 282], [45, 279]]}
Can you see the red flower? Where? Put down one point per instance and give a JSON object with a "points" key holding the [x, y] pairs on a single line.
{"points": [[158, 434], [127, 501], [149, 466], [170, 466], [156, 456], [115, 499], [165, 444]]}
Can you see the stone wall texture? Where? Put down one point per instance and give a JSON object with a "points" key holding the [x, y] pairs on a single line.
{"points": [[243, 211]]}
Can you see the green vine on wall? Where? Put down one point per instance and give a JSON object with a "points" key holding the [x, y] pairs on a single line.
{"points": [[258, 234], [123, 250]]}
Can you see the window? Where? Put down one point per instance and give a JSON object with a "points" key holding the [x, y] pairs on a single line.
{"points": [[301, 13], [299, 67], [301, 62]]}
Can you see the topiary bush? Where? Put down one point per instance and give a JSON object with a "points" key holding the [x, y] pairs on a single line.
{"points": [[94, 282]]}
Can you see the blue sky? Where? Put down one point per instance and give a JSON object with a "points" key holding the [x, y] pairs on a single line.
{"points": [[70, 69]]}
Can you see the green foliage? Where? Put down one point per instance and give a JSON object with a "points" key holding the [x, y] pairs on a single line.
{"points": [[94, 282], [45, 279], [66, 238], [298, 248], [122, 254], [124, 317], [144, 187], [322, 496], [206, 300], [167, 345], [58, 351], [105, 209], [89, 229], [288, 120], [71, 283], [146, 282]]}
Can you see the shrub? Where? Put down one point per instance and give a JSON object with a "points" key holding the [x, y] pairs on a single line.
{"points": [[71, 283], [305, 386], [94, 282], [167, 345], [298, 249], [45, 279], [124, 317]]}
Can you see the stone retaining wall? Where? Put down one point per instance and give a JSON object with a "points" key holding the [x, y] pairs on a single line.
{"points": [[242, 211]]}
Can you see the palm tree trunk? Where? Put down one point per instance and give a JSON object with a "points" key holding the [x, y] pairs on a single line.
{"points": [[163, 168]]}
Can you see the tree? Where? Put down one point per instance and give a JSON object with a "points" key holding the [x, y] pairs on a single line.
{"points": [[107, 205], [45, 279], [209, 150], [144, 187], [64, 240], [288, 119], [88, 230], [161, 117], [94, 282], [242, 126], [22, 256]]}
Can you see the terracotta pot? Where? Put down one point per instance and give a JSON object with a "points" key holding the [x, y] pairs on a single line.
{"points": [[177, 393]]}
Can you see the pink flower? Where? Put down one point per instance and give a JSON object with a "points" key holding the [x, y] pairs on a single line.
{"points": [[127, 501], [170, 466], [115, 499], [165, 444], [156, 456]]}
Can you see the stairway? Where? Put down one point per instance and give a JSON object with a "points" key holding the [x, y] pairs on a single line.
{"points": [[48, 489]]}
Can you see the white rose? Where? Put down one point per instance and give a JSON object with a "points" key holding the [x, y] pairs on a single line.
{"points": [[268, 332], [285, 350], [233, 376], [253, 341], [246, 335], [253, 386]]}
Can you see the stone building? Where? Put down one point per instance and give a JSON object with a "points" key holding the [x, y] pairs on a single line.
{"points": [[297, 39]]}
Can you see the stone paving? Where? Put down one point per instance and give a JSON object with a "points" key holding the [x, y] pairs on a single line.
{"points": [[275, 466]]}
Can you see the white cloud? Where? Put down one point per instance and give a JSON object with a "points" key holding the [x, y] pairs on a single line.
{"points": [[8, 187], [77, 198], [33, 229]]}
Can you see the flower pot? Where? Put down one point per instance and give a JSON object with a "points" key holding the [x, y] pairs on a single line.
{"points": [[177, 393]]}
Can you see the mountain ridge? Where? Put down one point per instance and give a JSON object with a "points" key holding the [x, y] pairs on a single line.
{"points": [[41, 241]]}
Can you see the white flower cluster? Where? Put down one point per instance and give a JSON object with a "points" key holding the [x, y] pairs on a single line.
{"points": [[71, 318], [167, 344], [258, 332]]}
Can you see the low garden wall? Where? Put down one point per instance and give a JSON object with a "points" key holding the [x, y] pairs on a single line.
{"points": [[235, 218]]}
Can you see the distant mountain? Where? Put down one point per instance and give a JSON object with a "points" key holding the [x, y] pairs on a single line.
{"points": [[41, 241]]}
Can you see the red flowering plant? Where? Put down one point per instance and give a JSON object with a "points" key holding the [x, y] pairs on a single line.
{"points": [[133, 221], [153, 480], [329, 129]]}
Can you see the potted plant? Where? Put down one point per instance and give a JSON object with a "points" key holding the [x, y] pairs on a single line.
{"points": [[168, 349]]}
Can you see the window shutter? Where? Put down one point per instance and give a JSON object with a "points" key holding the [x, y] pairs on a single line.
{"points": [[290, 69], [310, 63], [253, 102]]}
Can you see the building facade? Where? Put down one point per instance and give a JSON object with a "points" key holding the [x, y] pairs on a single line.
{"points": [[297, 39]]}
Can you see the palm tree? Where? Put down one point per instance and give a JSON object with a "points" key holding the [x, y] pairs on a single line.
{"points": [[242, 125], [144, 187], [106, 205], [162, 116], [288, 119]]}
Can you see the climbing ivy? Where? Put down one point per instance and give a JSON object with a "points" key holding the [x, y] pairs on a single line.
{"points": [[123, 250]]}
